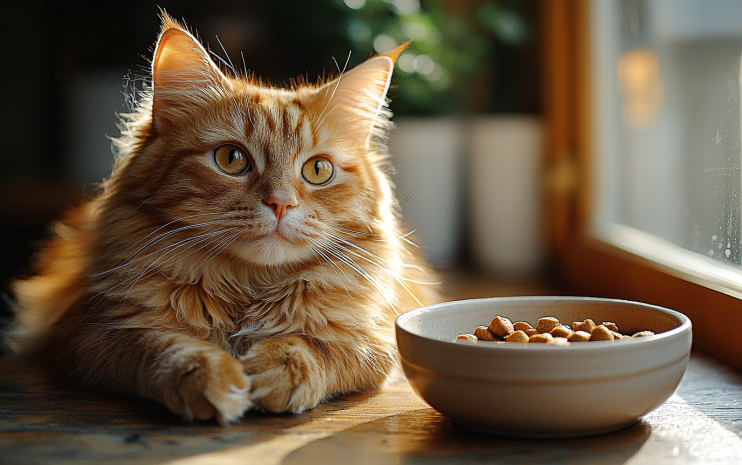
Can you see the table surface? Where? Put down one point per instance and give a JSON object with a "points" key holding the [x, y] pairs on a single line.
{"points": [[43, 421]]}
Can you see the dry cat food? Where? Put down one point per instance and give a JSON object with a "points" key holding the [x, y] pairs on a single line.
{"points": [[548, 330]]}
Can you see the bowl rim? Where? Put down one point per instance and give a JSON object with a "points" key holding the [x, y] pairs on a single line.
{"points": [[684, 326]]}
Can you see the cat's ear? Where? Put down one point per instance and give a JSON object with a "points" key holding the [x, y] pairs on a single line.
{"points": [[182, 72], [357, 98]]}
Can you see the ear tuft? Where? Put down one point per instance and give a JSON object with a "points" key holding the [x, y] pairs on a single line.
{"points": [[394, 54], [168, 22]]}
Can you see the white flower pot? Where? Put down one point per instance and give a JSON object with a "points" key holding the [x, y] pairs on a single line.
{"points": [[505, 193], [428, 155]]}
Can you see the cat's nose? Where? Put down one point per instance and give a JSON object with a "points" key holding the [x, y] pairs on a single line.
{"points": [[280, 205]]}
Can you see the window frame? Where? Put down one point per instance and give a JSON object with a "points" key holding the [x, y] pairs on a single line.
{"points": [[600, 265]]}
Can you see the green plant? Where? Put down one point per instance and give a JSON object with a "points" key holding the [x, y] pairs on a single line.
{"points": [[445, 52]]}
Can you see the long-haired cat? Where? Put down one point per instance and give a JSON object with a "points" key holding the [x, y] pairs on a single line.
{"points": [[245, 252]]}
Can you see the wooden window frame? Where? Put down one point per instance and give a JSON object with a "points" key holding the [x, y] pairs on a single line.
{"points": [[584, 263]]}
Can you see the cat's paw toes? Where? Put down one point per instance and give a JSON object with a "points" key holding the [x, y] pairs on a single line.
{"points": [[212, 384], [285, 375]]}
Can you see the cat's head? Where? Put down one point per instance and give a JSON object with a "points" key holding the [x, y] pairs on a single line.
{"points": [[261, 172]]}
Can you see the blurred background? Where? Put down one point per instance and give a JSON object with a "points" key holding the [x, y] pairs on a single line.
{"points": [[473, 71]]}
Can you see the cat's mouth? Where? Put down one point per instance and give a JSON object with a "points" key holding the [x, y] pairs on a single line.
{"points": [[276, 234], [275, 246]]}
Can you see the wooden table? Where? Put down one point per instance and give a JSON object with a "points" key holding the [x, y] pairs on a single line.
{"points": [[41, 421]]}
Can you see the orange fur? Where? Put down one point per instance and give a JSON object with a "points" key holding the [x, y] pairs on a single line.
{"points": [[181, 283]]}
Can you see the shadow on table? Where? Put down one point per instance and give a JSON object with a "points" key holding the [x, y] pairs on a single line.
{"points": [[43, 420], [425, 436]]}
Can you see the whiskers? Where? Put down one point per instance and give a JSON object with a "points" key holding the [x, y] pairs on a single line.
{"points": [[327, 242], [181, 249], [165, 248], [402, 237]]}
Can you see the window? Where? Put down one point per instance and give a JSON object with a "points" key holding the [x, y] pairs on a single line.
{"points": [[643, 169], [667, 144]]}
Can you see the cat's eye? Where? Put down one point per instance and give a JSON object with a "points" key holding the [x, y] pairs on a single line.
{"points": [[232, 159], [317, 170]]}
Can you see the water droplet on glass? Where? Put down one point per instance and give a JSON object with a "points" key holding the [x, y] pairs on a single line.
{"points": [[728, 253], [711, 252]]}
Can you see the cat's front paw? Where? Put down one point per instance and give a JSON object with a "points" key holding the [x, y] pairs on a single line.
{"points": [[210, 383], [285, 375]]}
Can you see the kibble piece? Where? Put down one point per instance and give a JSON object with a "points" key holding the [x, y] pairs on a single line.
{"points": [[601, 333], [610, 325], [521, 326], [643, 334], [517, 336], [561, 331], [579, 336], [617, 336], [588, 326], [500, 326], [546, 324], [559, 341], [466, 338], [542, 337], [484, 334]]}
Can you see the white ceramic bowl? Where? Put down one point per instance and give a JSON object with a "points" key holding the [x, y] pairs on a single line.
{"points": [[537, 389]]}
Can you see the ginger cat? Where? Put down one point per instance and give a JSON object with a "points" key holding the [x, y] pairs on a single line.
{"points": [[246, 251]]}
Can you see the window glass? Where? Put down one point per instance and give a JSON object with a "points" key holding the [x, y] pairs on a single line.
{"points": [[666, 93]]}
